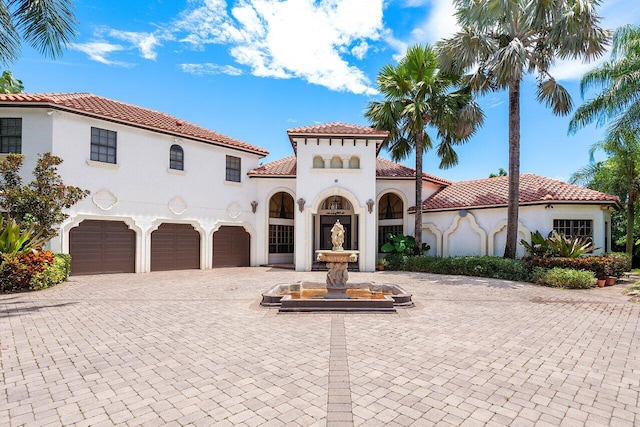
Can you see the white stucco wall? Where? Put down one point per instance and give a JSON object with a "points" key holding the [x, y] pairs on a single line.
{"points": [[357, 185], [483, 231], [141, 189]]}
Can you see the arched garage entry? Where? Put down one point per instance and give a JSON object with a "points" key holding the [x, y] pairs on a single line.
{"points": [[99, 247], [175, 247], [231, 247]]}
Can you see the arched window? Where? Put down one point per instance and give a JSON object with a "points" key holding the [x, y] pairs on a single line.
{"points": [[336, 162], [176, 158], [390, 217], [281, 235], [335, 203], [390, 207], [281, 206], [354, 162]]}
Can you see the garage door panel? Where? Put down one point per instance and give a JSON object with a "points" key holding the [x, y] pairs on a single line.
{"points": [[231, 247], [99, 247], [175, 247]]}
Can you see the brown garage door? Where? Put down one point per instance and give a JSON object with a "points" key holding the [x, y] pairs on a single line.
{"points": [[175, 247], [98, 247], [231, 247]]}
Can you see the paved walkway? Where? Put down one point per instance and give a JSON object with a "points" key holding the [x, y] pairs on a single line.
{"points": [[194, 348]]}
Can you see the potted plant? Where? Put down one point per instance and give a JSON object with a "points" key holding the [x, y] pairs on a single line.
{"points": [[601, 282], [382, 263]]}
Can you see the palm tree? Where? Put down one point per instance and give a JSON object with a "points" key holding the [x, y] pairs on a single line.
{"points": [[9, 84], [47, 26], [418, 95], [501, 41], [619, 79], [619, 174]]}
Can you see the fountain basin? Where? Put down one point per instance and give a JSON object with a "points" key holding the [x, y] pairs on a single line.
{"points": [[310, 296]]}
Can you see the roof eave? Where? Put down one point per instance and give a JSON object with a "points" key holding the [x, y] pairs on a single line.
{"points": [[616, 204]]}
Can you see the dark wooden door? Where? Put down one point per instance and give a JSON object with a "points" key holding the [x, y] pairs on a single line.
{"points": [[175, 247], [99, 247], [231, 247]]}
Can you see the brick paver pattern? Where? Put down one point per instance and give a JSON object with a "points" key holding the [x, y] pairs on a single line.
{"points": [[194, 348]]}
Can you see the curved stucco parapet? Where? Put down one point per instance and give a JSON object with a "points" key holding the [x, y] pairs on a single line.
{"points": [[464, 217], [501, 226], [437, 251]]}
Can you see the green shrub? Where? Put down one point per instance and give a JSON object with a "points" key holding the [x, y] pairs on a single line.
{"points": [[480, 266], [621, 263], [557, 245], [32, 271], [600, 265], [564, 278], [402, 245], [53, 273]]}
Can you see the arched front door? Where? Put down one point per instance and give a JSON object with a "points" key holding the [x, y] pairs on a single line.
{"points": [[335, 208]]}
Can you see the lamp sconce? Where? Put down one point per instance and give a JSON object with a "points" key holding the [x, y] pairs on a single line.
{"points": [[549, 206], [370, 204], [254, 206], [301, 203]]}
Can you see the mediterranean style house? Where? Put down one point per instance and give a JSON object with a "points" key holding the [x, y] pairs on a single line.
{"points": [[167, 194]]}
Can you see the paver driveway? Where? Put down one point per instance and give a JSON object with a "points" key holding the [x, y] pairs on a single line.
{"points": [[193, 348]]}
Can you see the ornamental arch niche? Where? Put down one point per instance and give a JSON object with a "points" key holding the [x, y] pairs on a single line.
{"points": [[281, 228]]}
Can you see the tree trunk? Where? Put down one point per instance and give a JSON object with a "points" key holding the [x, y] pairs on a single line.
{"points": [[514, 169], [631, 213], [418, 224]]}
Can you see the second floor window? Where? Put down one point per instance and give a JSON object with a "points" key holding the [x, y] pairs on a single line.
{"points": [[176, 158], [103, 145], [10, 136], [233, 169]]}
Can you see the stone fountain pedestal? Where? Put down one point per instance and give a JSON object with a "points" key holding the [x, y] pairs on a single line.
{"points": [[337, 276]]}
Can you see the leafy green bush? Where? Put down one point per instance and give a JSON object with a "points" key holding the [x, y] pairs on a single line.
{"points": [[557, 245], [621, 263], [403, 245], [600, 265], [564, 278], [32, 271], [53, 273], [480, 266]]}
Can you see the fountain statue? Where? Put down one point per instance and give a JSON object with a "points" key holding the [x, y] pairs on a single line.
{"points": [[337, 260]]}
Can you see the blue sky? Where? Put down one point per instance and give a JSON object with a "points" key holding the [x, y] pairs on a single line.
{"points": [[252, 69]]}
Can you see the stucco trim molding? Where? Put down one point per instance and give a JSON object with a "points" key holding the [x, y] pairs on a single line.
{"points": [[454, 226], [432, 228], [501, 226]]}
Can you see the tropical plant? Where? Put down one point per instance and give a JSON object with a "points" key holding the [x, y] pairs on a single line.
{"points": [[46, 26], [564, 278], [621, 168], [419, 96], [618, 102], [15, 241], [501, 172], [403, 245], [9, 84], [539, 246], [569, 246], [501, 41], [41, 201]]}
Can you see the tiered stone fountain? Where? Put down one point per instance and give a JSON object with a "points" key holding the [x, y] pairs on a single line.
{"points": [[338, 296]]}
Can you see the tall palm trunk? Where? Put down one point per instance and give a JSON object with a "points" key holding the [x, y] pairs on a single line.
{"points": [[514, 168], [418, 224]]}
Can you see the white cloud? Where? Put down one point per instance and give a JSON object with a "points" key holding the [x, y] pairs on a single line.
{"points": [[292, 38], [210, 68], [440, 23], [144, 42], [98, 51]]}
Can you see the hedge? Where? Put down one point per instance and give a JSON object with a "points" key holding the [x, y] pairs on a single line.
{"points": [[33, 271]]}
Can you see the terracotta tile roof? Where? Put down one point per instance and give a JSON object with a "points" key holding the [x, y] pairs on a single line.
{"points": [[388, 169], [495, 191], [282, 167], [384, 169], [337, 129], [109, 109]]}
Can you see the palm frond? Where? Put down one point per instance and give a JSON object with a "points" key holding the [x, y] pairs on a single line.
{"points": [[48, 26]]}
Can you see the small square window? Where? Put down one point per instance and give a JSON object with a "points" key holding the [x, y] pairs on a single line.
{"points": [[11, 136], [233, 169], [103, 145]]}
